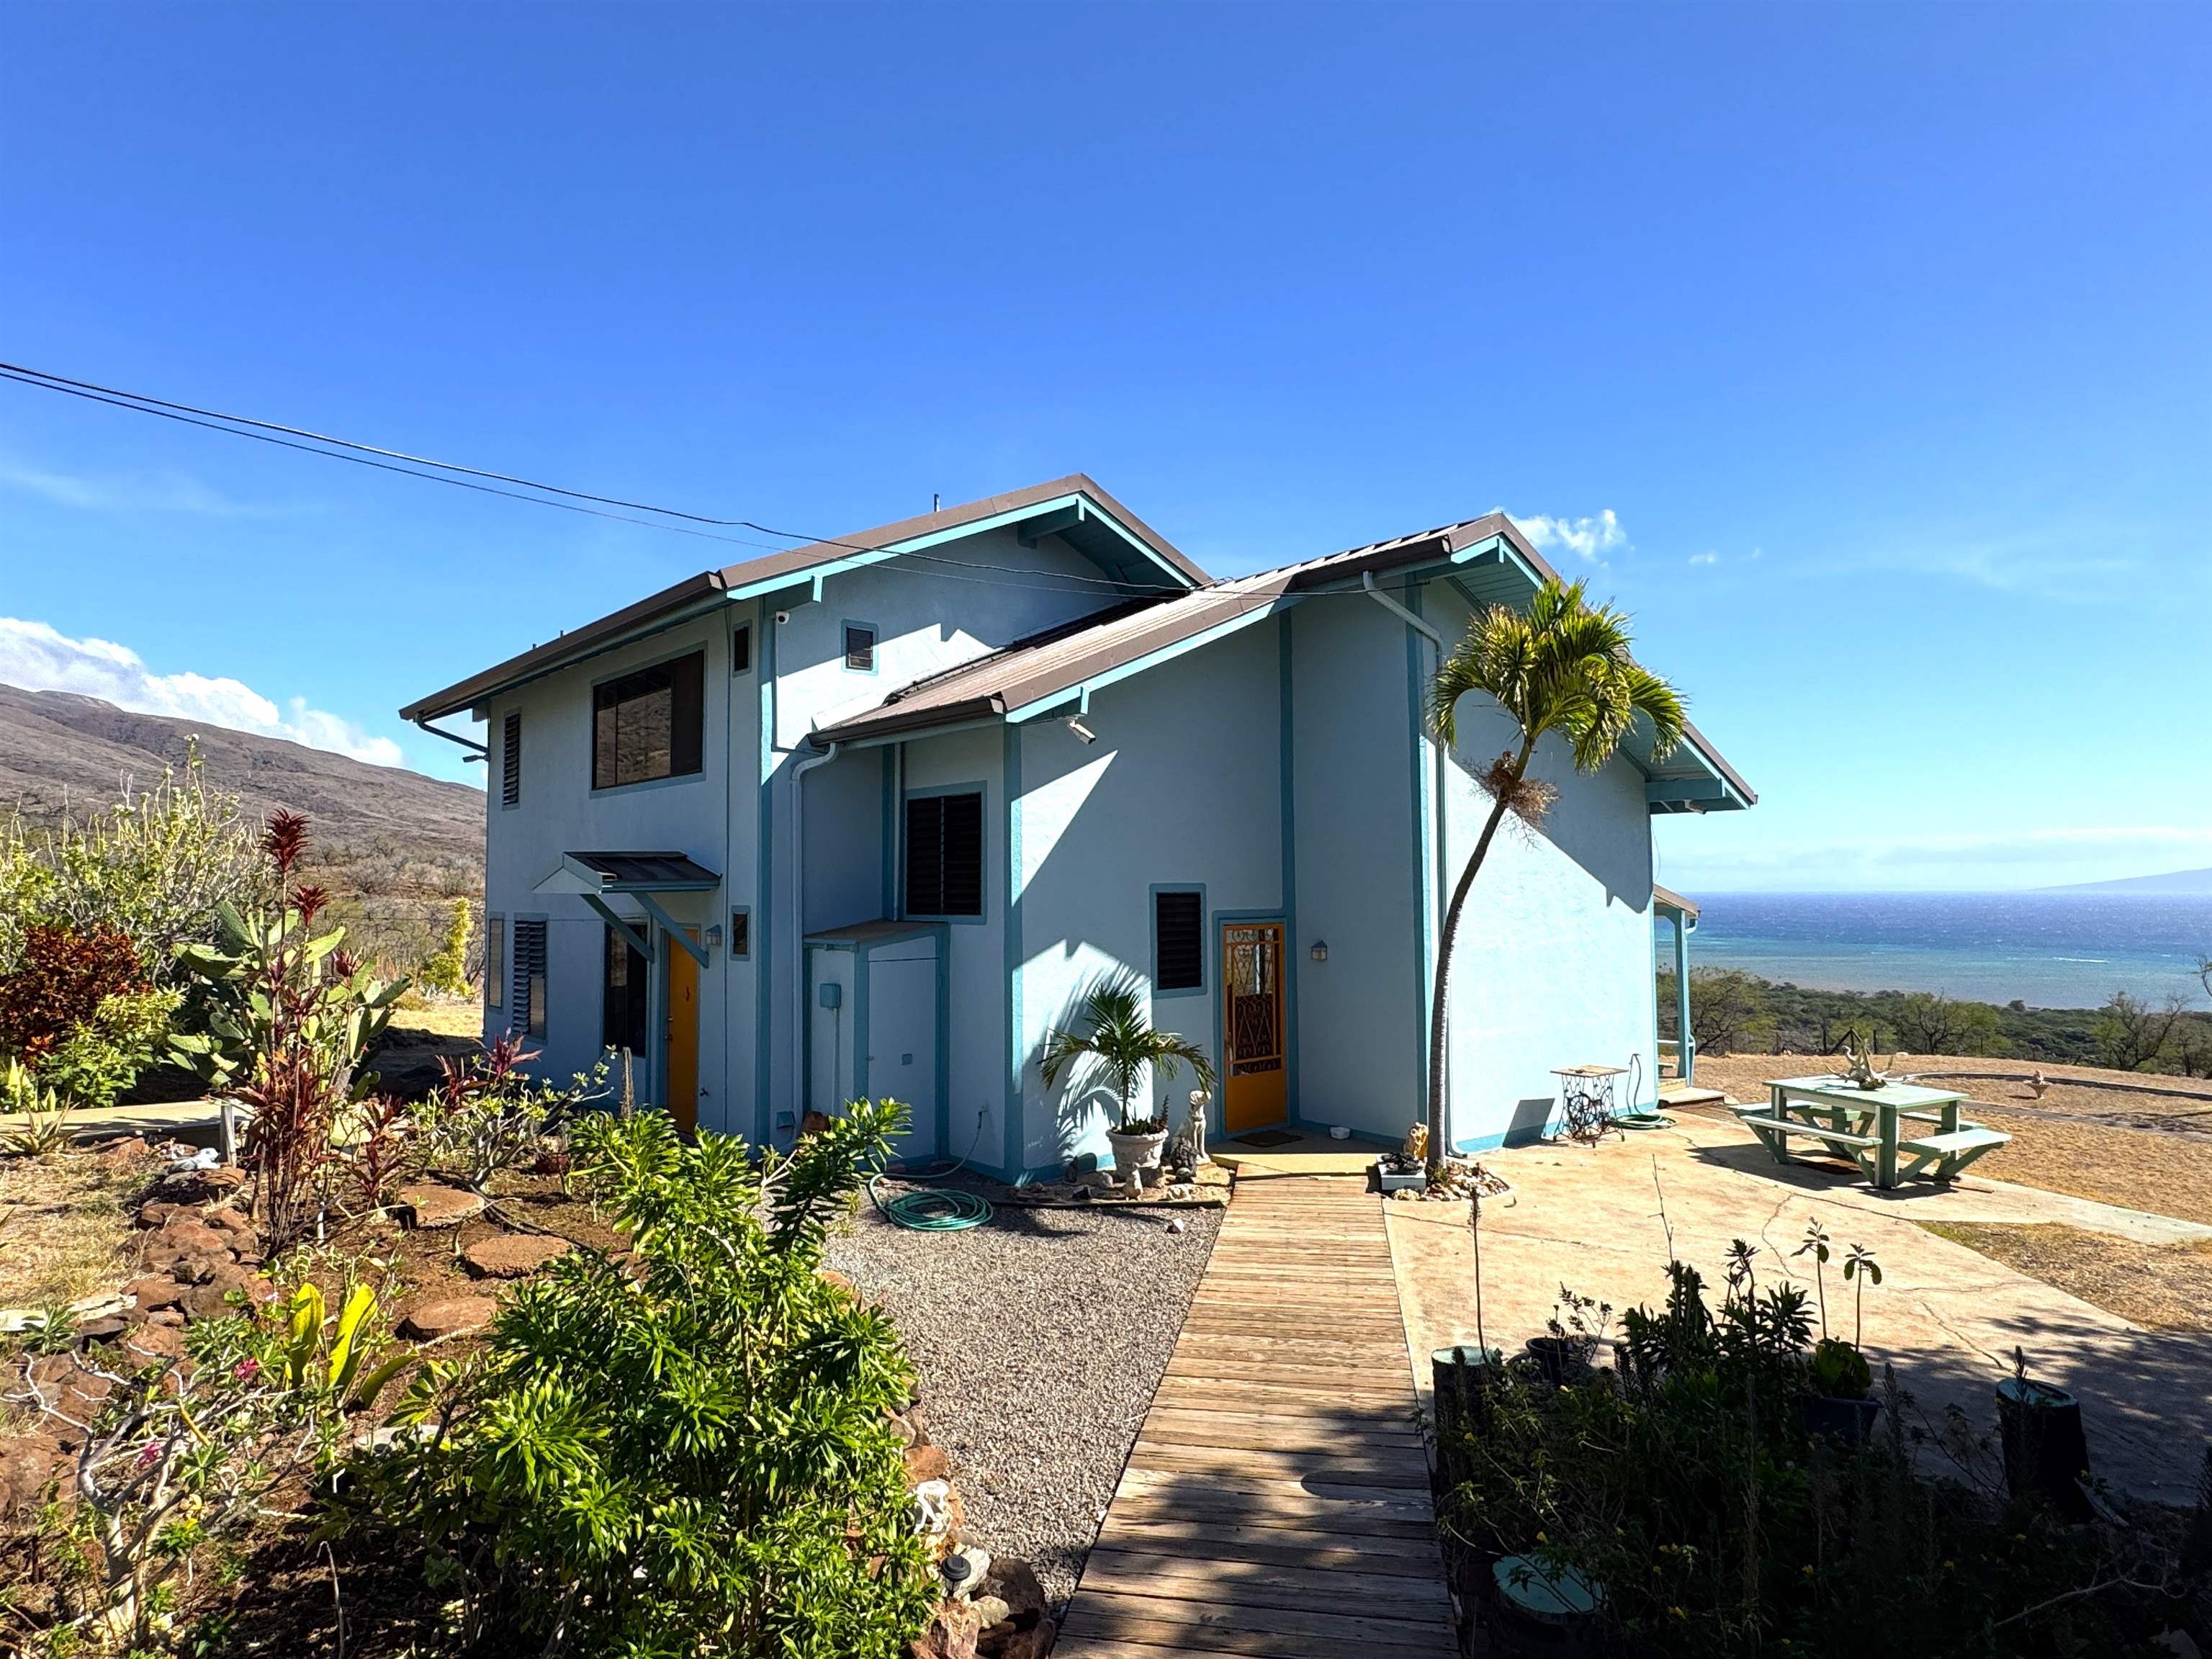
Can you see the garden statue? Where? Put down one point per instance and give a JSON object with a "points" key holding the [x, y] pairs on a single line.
{"points": [[1417, 1144], [1187, 1155]]}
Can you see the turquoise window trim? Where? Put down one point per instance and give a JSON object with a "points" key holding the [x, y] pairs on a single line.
{"points": [[752, 661], [675, 781], [745, 953], [926, 793], [1205, 979], [875, 647]]}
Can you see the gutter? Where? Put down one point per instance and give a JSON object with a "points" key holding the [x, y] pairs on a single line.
{"points": [[1437, 805], [477, 751]]}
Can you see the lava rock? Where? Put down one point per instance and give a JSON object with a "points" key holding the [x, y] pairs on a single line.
{"points": [[29, 1463], [511, 1255], [928, 1463], [432, 1207], [455, 1317]]}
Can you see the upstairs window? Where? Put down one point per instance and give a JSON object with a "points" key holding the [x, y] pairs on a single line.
{"points": [[741, 648], [741, 934], [860, 647], [648, 725], [527, 1016], [1179, 941], [510, 761], [945, 855]]}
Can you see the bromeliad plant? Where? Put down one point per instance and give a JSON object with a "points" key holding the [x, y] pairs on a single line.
{"points": [[288, 1016], [1121, 1042], [687, 1453]]}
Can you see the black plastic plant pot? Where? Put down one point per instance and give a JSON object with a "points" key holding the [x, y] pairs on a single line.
{"points": [[2045, 1451], [1559, 1361], [1850, 1421]]}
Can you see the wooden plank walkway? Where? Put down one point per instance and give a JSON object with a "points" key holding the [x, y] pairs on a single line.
{"points": [[1277, 1499]]}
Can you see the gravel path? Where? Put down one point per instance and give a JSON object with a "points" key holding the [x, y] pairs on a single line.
{"points": [[1040, 1337]]}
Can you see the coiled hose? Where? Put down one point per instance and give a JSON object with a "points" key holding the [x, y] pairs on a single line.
{"points": [[931, 1209]]}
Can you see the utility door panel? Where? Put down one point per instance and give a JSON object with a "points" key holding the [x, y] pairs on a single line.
{"points": [[903, 1038]]}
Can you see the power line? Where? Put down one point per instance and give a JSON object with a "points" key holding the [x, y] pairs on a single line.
{"points": [[312, 442]]}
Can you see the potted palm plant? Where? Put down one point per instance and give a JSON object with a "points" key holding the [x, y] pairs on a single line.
{"points": [[1121, 1042]]}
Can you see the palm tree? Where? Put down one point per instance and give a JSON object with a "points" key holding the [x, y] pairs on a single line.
{"points": [[1122, 1041], [1561, 666]]}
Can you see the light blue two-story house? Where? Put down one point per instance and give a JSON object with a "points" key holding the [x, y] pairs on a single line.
{"points": [[870, 816]]}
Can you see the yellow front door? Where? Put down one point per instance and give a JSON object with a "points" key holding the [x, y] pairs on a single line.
{"points": [[683, 1036], [1257, 1090]]}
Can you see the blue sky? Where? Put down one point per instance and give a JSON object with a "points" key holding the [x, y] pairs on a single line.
{"points": [[1882, 336]]}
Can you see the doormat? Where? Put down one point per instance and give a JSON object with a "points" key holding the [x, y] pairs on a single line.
{"points": [[1267, 1138]]}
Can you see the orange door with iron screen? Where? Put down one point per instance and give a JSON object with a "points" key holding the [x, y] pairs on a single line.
{"points": [[1257, 1090], [683, 1050]]}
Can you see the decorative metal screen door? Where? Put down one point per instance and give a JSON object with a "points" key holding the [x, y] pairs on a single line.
{"points": [[1256, 1091]]}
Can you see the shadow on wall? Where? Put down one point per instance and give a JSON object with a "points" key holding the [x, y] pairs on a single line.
{"points": [[1530, 1116]]}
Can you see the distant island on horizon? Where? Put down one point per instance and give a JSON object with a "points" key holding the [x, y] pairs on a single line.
{"points": [[2173, 882]]}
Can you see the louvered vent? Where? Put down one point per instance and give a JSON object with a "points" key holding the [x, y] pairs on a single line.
{"points": [[510, 751], [945, 855], [1179, 933], [526, 1016]]}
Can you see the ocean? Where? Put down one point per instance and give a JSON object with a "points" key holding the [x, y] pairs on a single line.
{"points": [[2048, 950]]}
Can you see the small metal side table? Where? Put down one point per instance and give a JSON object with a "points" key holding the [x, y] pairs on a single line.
{"points": [[1586, 1100]]}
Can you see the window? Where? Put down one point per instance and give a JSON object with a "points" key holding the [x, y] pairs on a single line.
{"points": [[741, 648], [1179, 941], [622, 1017], [527, 1017], [510, 759], [945, 855], [646, 724], [741, 934], [860, 647], [495, 960]]}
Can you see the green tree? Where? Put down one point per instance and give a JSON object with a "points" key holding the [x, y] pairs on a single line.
{"points": [[1560, 668], [688, 1454], [1121, 1042], [446, 969], [2131, 1035], [1726, 1008], [1930, 1023]]}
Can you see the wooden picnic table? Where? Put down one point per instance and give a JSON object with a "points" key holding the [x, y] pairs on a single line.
{"points": [[1893, 1133]]}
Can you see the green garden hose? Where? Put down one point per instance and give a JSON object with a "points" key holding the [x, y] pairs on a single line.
{"points": [[931, 1209]]}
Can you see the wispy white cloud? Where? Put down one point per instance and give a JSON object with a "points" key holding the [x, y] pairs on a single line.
{"points": [[165, 491], [41, 658], [1705, 558], [1589, 539]]}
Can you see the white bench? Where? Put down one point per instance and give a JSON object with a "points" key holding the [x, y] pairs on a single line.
{"points": [[1952, 1152]]}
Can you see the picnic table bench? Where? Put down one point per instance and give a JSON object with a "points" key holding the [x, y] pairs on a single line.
{"points": [[1866, 1126]]}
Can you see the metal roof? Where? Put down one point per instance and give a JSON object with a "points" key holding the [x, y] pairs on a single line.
{"points": [[1075, 508], [1667, 899], [629, 872]]}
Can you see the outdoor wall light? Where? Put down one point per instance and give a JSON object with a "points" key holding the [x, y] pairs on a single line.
{"points": [[714, 936], [1320, 951]]}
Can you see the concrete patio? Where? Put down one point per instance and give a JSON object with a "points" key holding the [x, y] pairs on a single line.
{"points": [[1946, 1316]]}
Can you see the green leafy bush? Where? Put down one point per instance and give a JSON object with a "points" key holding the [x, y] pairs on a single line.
{"points": [[489, 1115], [687, 1454], [446, 969], [102, 1057]]}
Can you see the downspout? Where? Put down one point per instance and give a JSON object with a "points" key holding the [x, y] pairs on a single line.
{"points": [[894, 911], [799, 771], [1436, 791]]}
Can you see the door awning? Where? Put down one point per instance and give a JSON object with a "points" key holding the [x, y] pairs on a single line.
{"points": [[592, 873]]}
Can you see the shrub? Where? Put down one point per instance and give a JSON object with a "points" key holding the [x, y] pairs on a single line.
{"points": [[489, 1115], [58, 983], [1688, 1488], [101, 1058], [153, 867], [689, 1455], [181, 1457], [290, 1017], [446, 969]]}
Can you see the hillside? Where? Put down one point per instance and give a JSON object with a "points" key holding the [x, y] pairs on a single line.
{"points": [[2173, 883], [393, 846]]}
